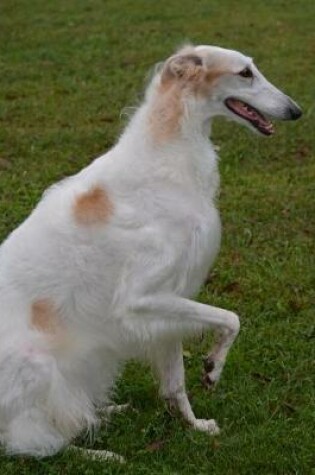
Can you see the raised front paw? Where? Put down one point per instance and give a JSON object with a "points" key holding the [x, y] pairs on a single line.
{"points": [[211, 373]]}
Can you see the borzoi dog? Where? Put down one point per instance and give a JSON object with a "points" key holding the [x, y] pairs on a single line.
{"points": [[105, 267]]}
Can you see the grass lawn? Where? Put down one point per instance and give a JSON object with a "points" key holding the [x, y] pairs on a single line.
{"points": [[68, 68]]}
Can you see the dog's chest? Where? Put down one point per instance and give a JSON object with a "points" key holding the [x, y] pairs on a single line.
{"points": [[189, 231], [182, 230], [202, 249]]}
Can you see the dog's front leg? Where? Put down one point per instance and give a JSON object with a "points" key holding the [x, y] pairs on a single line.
{"points": [[167, 362], [214, 361], [165, 317]]}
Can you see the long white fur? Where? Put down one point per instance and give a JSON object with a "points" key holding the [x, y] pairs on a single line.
{"points": [[123, 289]]}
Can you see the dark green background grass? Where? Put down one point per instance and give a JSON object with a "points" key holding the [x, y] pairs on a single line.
{"points": [[68, 68]]}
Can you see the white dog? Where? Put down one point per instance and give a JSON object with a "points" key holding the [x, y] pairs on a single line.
{"points": [[104, 268]]}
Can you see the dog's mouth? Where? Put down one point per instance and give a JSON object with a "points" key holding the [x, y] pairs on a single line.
{"points": [[249, 113]]}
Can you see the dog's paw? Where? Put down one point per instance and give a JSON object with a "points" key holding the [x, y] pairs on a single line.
{"points": [[208, 364], [212, 372], [100, 455], [116, 408], [207, 425], [208, 382], [106, 412]]}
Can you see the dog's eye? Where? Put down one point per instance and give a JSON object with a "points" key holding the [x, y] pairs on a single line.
{"points": [[246, 73]]}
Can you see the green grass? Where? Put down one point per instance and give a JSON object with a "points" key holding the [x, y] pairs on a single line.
{"points": [[67, 70]]}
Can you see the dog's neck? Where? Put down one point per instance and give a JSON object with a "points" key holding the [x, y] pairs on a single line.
{"points": [[180, 152]]}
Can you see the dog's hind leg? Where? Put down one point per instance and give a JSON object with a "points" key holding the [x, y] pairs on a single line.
{"points": [[28, 428], [104, 414], [167, 361], [42, 409], [30, 433]]}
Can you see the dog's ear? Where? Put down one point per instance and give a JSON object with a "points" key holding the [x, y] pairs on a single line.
{"points": [[186, 67]]}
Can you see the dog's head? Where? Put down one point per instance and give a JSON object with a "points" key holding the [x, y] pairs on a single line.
{"points": [[213, 81]]}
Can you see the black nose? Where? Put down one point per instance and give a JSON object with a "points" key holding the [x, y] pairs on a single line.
{"points": [[295, 113]]}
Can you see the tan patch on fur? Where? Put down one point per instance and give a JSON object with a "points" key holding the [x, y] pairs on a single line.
{"points": [[93, 207], [182, 75], [166, 113], [192, 70], [44, 317], [208, 80], [182, 68], [46, 320]]}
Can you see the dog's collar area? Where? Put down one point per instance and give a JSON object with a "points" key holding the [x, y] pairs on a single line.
{"points": [[249, 113]]}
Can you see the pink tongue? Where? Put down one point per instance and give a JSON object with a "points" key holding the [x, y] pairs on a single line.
{"points": [[246, 112]]}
